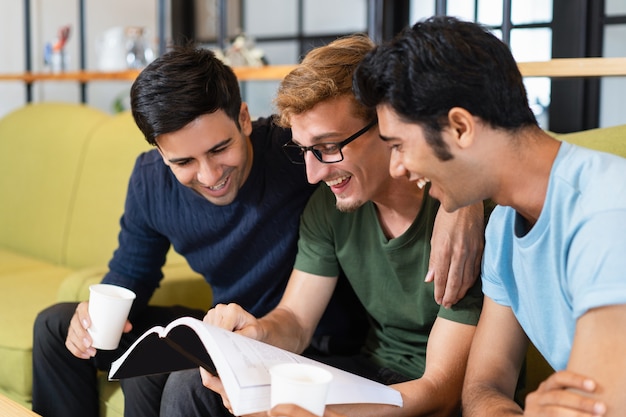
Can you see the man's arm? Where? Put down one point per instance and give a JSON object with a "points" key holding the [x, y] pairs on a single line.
{"points": [[497, 355], [290, 325], [598, 352], [456, 252], [438, 391]]}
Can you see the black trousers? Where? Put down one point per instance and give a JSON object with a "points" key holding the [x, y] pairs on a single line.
{"points": [[66, 386]]}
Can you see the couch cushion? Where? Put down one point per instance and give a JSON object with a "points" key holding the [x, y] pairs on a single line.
{"points": [[40, 150], [28, 285], [107, 161]]}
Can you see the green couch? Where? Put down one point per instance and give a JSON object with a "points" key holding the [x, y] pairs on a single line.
{"points": [[64, 169]]}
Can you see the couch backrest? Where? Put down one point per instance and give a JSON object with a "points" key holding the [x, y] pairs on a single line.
{"points": [[41, 150], [64, 171], [108, 158], [608, 139]]}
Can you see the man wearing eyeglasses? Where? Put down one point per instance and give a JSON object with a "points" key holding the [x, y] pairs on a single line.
{"points": [[375, 229]]}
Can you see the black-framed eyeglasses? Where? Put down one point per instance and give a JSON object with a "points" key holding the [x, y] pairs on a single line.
{"points": [[326, 153]]}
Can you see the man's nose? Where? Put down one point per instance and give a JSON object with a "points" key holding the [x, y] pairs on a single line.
{"points": [[396, 167], [315, 170], [209, 174]]}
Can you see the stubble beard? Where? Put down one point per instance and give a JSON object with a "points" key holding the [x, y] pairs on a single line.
{"points": [[348, 207]]}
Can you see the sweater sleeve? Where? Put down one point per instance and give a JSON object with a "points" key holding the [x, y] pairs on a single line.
{"points": [[138, 260]]}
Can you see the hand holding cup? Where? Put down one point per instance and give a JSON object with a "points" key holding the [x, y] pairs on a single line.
{"points": [[109, 306]]}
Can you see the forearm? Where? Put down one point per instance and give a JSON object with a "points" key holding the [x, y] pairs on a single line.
{"points": [[480, 401], [420, 397], [281, 328]]}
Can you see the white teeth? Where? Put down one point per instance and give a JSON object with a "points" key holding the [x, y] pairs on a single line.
{"points": [[218, 186], [336, 181], [421, 183]]}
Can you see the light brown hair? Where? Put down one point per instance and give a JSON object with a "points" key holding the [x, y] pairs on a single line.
{"points": [[325, 73]]}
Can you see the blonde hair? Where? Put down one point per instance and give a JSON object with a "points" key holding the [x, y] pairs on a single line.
{"points": [[325, 73]]}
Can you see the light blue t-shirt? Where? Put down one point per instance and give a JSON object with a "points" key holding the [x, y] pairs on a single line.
{"points": [[572, 260]]}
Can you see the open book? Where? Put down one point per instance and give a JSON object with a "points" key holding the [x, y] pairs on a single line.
{"points": [[242, 364]]}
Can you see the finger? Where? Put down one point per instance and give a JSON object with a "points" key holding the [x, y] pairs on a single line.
{"points": [[79, 346], [430, 276], [128, 326], [223, 315], [82, 314], [454, 282], [78, 340], [568, 380], [563, 402], [467, 272], [439, 265]]}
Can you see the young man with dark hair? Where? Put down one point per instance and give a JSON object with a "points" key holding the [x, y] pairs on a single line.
{"points": [[453, 109]]}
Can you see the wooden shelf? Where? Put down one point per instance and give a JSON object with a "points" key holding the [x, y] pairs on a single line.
{"points": [[81, 76], [271, 72], [556, 68], [575, 67]]}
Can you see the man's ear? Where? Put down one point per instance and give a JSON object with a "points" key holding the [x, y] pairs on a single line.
{"points": [[462, 126], [244, 120]]}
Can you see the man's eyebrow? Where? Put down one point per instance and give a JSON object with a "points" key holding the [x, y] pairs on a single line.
{"points": [[319, 138], [218, 145]]}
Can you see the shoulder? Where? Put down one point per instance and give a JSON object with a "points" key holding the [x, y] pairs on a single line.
{"points": [[149, 160], [591, 179], [265, 130], [151, 175]]}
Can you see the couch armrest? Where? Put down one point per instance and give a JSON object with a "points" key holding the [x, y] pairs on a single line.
{"points": [[180, 286]]}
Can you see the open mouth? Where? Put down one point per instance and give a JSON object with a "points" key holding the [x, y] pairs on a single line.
{"points": [[219, 186], [337, 181], [421, 183]]}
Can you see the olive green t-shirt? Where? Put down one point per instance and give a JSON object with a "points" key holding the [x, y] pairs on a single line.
{"points": [[387, 276]]}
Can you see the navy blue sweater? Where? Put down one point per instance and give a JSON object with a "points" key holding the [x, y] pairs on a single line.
{"points": [[245, 250]]}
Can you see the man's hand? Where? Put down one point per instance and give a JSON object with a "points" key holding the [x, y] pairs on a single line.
{"points": [[456, 252], [78, 340], [564, 394], [234, 318], [214, 383], [290, 410]]}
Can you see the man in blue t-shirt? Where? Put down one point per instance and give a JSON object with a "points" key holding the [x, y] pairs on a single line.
{"points": [[452, 106], [220, 190]]}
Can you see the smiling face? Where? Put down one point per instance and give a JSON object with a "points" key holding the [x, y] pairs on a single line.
{"points": [[364, 172], [210, 155], [413, 157]]}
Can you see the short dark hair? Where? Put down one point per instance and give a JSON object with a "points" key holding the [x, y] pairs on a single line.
{"points": [[180, 86], [441, 63]]}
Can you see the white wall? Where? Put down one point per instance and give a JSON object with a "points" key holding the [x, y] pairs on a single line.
{"points": [[47, 16]]}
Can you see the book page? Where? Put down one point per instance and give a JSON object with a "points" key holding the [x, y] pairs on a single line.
{"points": [[242, 364]]}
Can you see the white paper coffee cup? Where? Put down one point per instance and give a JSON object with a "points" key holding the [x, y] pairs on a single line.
{"points": [[301, 384], [109, 306]]}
